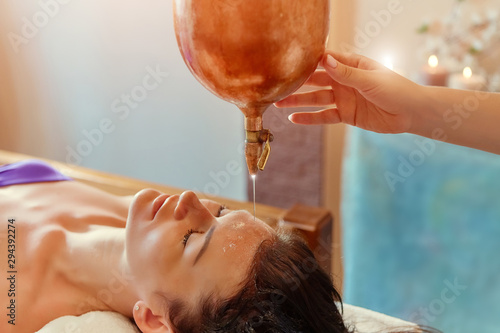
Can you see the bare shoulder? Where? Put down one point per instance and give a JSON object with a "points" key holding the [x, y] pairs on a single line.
{"points": [[35, 220], [40, 202]]}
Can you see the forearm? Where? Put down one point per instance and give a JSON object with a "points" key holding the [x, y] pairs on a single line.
{"points": [[462, 117]]}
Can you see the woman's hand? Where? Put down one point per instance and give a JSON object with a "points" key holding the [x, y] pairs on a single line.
{"points": [[361, 92]]}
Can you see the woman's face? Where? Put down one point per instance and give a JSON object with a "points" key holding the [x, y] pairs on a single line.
{"points": [[186, 248]]}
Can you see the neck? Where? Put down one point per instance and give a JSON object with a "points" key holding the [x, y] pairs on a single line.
{"points": [[95, 263]]}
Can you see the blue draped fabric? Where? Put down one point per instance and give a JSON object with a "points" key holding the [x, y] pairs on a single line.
{"points": [[421, 231]]}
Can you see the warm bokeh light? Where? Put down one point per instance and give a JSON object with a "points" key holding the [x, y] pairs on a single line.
{"points": [[467, 72], [388, 63], [433, 61]]}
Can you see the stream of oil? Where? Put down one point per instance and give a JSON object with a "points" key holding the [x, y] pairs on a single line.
{"points": [[254, 210]]}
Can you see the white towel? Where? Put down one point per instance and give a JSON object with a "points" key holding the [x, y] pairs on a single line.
{"points": [[91, 322], [368, 321], [364, 320]]}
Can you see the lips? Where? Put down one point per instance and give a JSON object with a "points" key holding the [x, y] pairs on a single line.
{"points": [[158, 202]]}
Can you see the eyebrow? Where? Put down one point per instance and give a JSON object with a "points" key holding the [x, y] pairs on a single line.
{"points": [[205, 244]]}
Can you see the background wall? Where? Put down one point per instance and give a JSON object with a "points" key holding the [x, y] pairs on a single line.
{"points": [[102, 84], [417, 251], [362, 26], [9, 123]]}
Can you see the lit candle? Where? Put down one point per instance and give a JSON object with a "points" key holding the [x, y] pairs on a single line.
{"points": [[433, 74], [467, 80]]}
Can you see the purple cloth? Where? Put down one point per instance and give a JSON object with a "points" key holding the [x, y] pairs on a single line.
{"points": [[29, 171]]}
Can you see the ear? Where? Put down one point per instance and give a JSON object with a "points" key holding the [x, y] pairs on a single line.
{"points": [[148, 321]]}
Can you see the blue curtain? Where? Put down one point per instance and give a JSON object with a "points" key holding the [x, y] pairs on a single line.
{"points": [[421, 223]]}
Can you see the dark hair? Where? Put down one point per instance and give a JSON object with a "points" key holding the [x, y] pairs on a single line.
{"points": [[286, 292]]}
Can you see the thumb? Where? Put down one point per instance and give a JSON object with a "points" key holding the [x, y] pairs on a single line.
{"points": [[343, 74]]}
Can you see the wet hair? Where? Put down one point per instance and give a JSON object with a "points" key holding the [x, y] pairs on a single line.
{"points": [[285, 292]]}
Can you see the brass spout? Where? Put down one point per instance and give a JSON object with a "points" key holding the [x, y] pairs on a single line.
{"points": [[253, 151], [253, 146], [256, 156]]}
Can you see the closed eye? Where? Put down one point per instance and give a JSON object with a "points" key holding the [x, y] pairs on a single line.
{"points": [[188, 234], [221, 209]]}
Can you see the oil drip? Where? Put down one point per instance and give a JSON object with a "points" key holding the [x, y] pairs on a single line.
{"points": [[254, 210]]}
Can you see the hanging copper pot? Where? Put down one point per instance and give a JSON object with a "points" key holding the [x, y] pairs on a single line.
{"points": [[252, 53]]}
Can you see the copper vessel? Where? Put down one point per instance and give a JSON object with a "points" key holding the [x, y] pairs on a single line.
{"points": [[252, 53]]}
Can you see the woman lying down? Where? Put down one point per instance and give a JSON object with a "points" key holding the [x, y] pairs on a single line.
{"points": [[172, 263]]}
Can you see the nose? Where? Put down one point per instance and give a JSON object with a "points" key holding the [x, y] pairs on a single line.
{"points": [[189, 206]]}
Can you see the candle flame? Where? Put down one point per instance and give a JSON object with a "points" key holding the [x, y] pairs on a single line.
{"points": [[467, 72], [433, 61]]}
